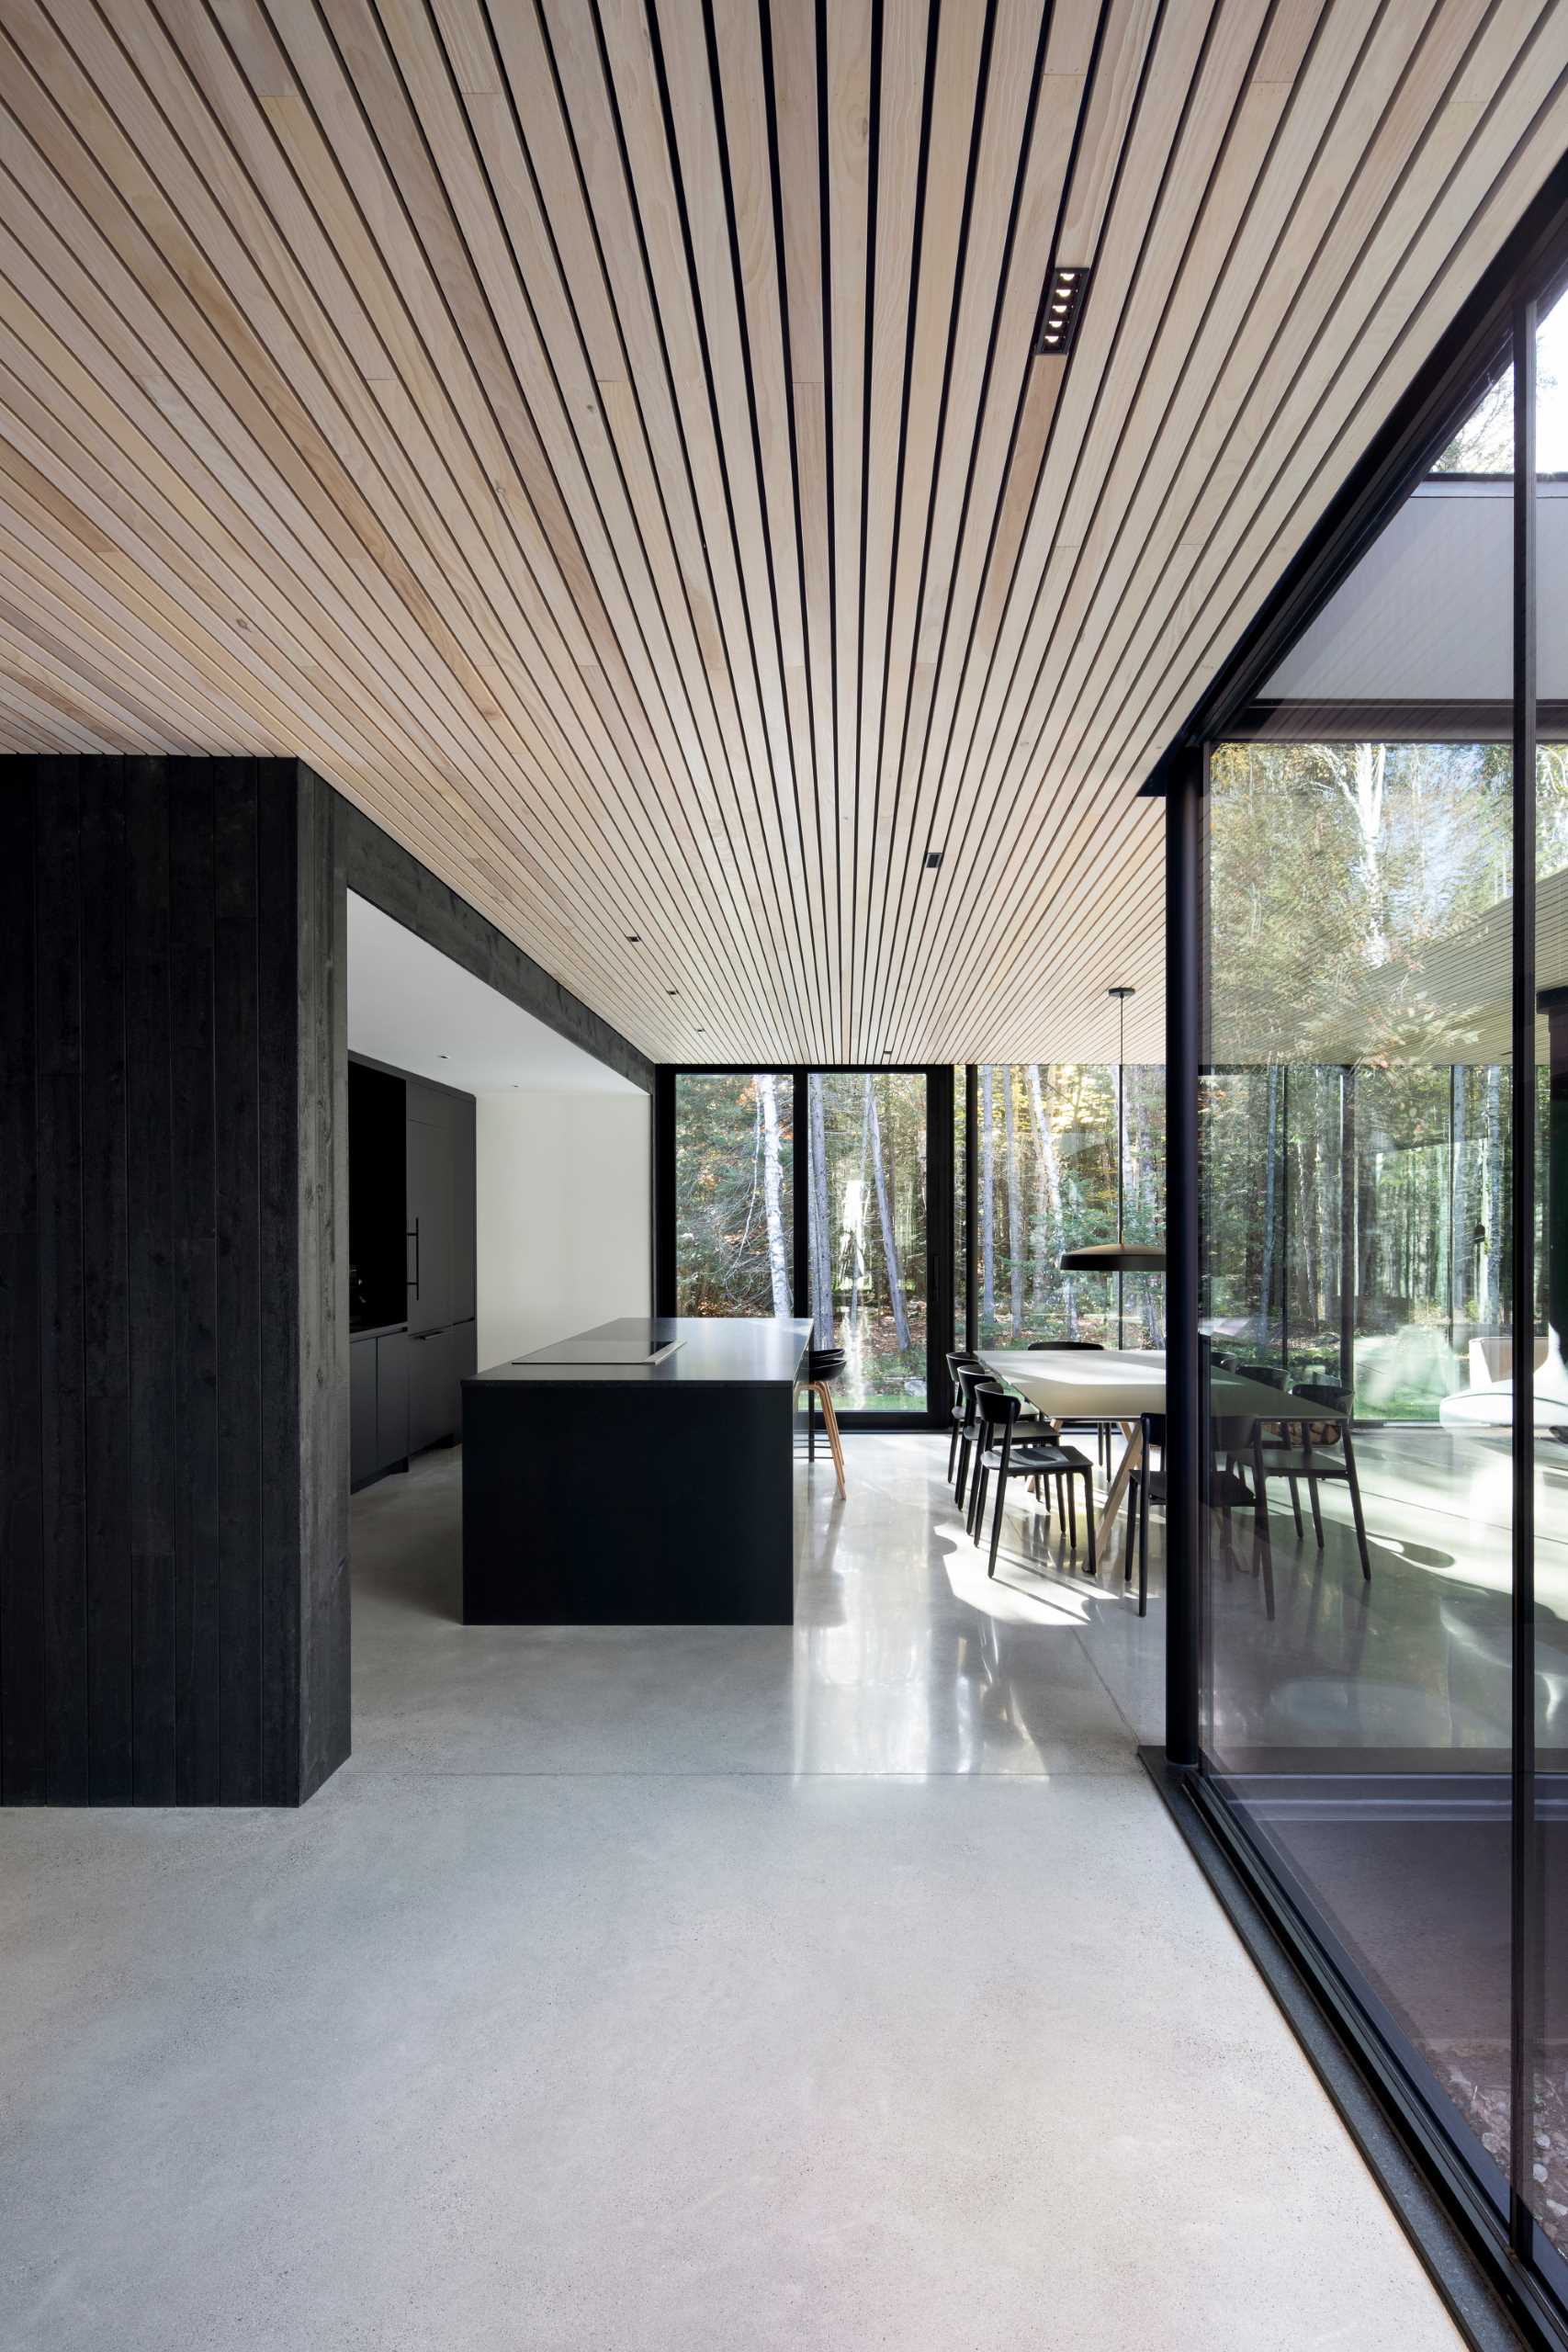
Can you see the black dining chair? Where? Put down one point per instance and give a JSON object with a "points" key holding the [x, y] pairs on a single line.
{"points": [[1314, 1449], [962, 1411], [1030, 1457], [968, 1376], [1273, 1436], [1102, 1429], [1230, 1440], [823, 1366]]}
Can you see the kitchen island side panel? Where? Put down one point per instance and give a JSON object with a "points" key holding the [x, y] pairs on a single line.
{"points": [[628, 1504]]}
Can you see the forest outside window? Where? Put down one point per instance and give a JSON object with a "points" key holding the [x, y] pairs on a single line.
{"points": [[1048, 1178], [861, 1191]]}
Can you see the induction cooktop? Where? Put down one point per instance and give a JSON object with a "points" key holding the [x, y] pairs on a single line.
{"points": [[629, 1342]]}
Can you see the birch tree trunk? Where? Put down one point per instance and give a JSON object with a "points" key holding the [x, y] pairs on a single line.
{"points": [[1015, 1256], [889, 1239], [1360, 771], [987, 1207], [1048, 1182], [821, 1231], [1491, 1283], [1151, 1289], [1458, 1205], [857, 1269], [773, 1197], [1266, 1283]]}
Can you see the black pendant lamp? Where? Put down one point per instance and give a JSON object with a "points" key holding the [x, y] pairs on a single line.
{"points": [[1120, 1256]]}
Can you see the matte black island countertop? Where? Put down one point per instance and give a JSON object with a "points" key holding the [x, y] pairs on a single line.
{"points": [[732, 1351], [640, 1474]]}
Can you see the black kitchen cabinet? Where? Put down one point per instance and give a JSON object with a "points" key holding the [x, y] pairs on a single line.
{"points": [[378, 1404], [465, 1305], [431, 1208], [362, 1451], [431, 1396], [393, 1434], [417, 1185]]}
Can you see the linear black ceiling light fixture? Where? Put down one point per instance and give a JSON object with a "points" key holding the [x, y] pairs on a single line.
{"points": [[1060, 309]]}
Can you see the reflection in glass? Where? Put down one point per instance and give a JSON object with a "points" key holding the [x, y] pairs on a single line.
{"points": [[1545, 2023], [1356, 1192]]}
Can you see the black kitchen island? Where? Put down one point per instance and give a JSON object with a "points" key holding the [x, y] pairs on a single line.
{"points": [[640, 1474]]}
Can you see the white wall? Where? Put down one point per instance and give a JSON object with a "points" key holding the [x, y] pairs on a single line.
{"points": [[563, 1216]]}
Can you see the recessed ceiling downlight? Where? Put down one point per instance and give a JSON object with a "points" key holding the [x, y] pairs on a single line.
{"points": [[1061, 307]]}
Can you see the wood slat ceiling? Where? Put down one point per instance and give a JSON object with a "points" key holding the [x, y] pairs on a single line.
{"points": [[604, 439]]}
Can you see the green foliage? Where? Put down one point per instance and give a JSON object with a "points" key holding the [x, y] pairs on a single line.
{"points": [[1046, 1164], [721, 1232], [1358, 1101], [863, 1169]]}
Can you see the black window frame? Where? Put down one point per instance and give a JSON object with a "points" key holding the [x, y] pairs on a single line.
{"points": [[940, 1247], [1495, 328]]}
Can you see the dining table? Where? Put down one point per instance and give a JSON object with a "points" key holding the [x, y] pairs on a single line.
{"points": [[1119, 1385]]}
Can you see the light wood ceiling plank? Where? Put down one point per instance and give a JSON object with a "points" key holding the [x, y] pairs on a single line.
{"points": [[507, 234], [554, 75], [754, 249], [902, 124], [477, 750], [959, 346], [847, 70], [603, 437], [718, 450], [1550, 130], [1156, 104], [454, 243]]}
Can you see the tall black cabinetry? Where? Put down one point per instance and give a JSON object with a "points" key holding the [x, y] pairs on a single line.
{"points": [[412, 1246]]}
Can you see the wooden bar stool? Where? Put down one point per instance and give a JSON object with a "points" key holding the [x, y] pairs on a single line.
{"points": [[824, 1364]]}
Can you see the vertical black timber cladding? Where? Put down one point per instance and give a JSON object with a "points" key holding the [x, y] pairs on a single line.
{"points": [[56, 793], [172, 1421], [150, 1227], [106, 1302], [194, 1123], [237, 1087], [22, 1749], [277, 1271], [323, 1285]]}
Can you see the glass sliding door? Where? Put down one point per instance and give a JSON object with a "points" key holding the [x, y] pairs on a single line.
{"points": [[1357, 1189], [1544, 1777], [866, 1158], [734, 1192], [816, 1193]]}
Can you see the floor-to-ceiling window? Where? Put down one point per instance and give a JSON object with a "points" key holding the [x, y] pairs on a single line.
{"points": [[845, 1194], [1383, 1234], [734, 1192], [866, 1154], [808, 1192], [1362, 1728], [1542, 1779], [1049, 1178]]}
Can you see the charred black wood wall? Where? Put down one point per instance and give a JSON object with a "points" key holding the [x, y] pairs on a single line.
{"points": [[173, 1481]]}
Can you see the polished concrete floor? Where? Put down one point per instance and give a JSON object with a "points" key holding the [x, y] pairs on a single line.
{"points": [[831, 1988]]}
